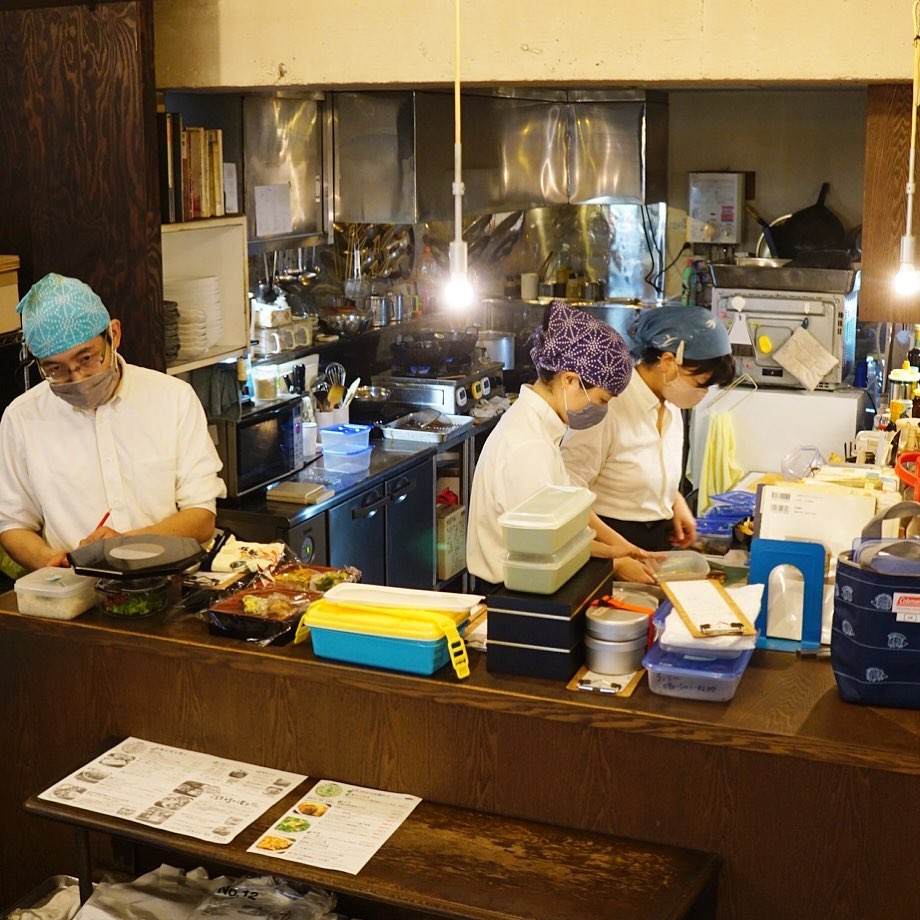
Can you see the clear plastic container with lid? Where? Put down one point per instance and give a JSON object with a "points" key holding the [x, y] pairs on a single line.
{"points": [[547, 521], [345, 438], [54, 592]]}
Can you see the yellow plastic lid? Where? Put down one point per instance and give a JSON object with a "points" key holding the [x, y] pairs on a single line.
{"points": [[398, 623]]}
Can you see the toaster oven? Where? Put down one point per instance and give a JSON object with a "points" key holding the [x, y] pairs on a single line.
{"points": [[759, 322]]}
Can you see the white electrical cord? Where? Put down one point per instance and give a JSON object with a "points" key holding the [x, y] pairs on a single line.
{"points": [[458, 293]]}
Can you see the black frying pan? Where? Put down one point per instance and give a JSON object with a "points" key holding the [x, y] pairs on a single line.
{"points": [[813, 229]]}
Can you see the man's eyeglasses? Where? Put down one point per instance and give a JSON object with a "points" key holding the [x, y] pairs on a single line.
{"points": [[85, 365]]}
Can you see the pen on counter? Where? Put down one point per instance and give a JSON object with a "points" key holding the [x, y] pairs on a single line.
{"points": [[105, 517]]}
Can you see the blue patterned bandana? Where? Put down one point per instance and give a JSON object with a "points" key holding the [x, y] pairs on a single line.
{"points": [[665, 328], [575, 341], [59, 313]]}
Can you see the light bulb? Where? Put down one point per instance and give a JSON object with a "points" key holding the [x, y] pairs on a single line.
{"points": [[907, 280], [458, 293]]}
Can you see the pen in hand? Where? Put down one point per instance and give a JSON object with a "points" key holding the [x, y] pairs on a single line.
{"points": [[105, 517]]}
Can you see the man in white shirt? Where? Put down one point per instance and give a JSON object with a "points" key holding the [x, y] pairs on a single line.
{"points": [[99, 447]]}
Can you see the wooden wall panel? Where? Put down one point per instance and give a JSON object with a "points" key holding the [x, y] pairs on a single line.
{"points": [[78, 163], [885, 205]]}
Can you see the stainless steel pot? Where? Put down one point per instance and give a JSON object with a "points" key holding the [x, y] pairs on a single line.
{"points": [[499, 346]]}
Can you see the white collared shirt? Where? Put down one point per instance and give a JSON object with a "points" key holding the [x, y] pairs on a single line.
{"points": [[143, 455], [632, 468], [520, 456]]}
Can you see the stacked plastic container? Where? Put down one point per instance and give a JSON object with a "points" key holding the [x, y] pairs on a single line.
{"points": [[547, 539], [346, 448], [696, 669], [714, 528]]}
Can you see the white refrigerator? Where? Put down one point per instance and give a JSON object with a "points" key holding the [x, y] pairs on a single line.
{"points": [[770, 423]]}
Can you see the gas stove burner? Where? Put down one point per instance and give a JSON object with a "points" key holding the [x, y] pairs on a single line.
{"points": [[419, 370]]}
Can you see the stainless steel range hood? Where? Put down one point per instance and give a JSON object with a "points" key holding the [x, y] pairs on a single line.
{"points": [[393, 152]]}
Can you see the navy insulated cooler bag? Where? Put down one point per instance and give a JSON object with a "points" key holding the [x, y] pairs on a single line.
{"points": [[875, 638]]}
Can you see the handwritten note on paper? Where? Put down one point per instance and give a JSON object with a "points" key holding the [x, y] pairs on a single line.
{"points": [[273, 209], [188, 793], [336, 826]]}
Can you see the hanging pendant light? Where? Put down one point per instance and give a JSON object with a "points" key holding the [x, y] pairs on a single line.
{"points": [[459, 292], [907, 280]]}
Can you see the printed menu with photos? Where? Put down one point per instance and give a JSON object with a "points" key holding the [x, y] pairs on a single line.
{"points": [[185, 792], [336, 826]]}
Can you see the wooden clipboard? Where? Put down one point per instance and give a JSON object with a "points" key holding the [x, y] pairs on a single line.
{"points": [[707, 609], [590, 681]]}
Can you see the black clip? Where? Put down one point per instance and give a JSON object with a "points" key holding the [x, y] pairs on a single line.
{"points": [[722, 629]]}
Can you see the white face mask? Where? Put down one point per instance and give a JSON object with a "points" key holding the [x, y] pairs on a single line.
{"points": [[680, 392]]}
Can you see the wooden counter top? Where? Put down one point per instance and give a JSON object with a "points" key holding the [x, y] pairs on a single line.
{"points": [[784, 705], [809, 801]]}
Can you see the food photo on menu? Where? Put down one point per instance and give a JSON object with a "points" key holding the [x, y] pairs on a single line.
{"points": [[335, 826]]}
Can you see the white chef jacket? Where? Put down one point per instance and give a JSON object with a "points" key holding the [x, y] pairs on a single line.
{"points": [[520, 456], [143, 455], [632, 469]]}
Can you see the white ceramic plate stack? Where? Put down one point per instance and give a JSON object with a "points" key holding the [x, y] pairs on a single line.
{"points": [[200, 316], [193, 334]]}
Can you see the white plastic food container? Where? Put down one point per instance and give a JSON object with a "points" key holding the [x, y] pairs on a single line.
{"points": [[547, 521], [56, 593], [546, 574]]}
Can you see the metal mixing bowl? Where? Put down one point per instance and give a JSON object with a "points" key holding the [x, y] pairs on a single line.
{"points": [[347, 322], [372, 396]]}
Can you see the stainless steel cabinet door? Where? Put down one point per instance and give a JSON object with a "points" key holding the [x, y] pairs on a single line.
{"points": [[357, 534], [410, 528]]}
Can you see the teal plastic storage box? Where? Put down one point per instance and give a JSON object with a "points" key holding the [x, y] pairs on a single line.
{"points": [[413, 656]]}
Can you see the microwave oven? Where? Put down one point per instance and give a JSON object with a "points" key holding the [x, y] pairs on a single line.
{"points": [[262, 446]]}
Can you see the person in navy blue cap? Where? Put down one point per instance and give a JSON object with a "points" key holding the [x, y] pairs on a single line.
{"points": [[582, 363], [633, 461], [99, 447]]}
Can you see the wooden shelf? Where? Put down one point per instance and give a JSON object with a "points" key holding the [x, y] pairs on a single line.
{"points": [[216, 246], [462, 864]]}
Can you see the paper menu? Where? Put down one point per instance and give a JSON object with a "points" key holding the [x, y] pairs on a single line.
{"points": [[335, 826], [173, 789]]}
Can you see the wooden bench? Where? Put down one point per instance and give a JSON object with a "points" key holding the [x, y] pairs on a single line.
{"points": [[451, 862]]}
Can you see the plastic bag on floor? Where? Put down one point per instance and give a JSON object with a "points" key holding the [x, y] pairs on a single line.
{"points": [[266, 898], [166, 893]]}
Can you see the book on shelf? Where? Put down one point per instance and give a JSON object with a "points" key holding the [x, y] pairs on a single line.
{"points": [[166, 167], [216, 170], [198, 196], [177, 165]]}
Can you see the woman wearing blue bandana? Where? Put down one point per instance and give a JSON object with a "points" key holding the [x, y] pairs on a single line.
{"points": [[632, 462], [582, 364], [97, 439]]}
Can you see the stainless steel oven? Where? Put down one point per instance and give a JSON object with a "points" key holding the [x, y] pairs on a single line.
{"points": [[761, 320], [262, 446]]}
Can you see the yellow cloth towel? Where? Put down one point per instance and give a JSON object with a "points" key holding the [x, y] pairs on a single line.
{"points": [[720, 469]]}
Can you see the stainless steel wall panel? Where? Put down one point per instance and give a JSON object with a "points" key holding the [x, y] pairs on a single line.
{"points": [[282, 136]]}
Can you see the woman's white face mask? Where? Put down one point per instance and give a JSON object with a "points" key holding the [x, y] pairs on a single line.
{"points": [[680, 391]]}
